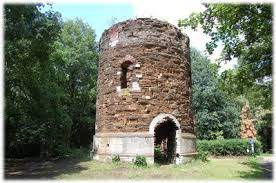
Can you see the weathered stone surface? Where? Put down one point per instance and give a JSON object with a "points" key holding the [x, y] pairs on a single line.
{"points": [[139, 41], [144, 70]]}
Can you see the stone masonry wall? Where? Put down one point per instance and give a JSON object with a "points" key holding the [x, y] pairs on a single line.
{"points": [[158, 77]]}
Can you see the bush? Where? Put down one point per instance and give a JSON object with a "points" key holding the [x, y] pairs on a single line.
{"points": [[116, 159], [140, 161], [202, 155], [158, 157], [228, 147]]}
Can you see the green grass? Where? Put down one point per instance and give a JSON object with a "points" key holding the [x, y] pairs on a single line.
{"points": [[242, 168]]}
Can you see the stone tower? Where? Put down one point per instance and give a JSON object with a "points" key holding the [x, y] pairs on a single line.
{"points": [[144, 93]]}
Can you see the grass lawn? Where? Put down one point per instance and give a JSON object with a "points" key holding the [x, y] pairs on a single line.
{"points": [[216, 168]]}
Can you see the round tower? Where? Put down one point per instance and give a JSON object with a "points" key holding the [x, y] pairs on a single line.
{"points": [[144, 93]]}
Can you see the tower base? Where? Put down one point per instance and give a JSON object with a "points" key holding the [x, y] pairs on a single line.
{"points": [[129, 145]]}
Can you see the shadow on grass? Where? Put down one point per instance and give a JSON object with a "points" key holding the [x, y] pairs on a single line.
{"points": [[258, 170], [41, 169]]}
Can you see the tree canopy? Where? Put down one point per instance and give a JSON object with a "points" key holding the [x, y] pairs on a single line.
{"points": [[76, 54], [216, 115], [50, 80], [245, 31]]}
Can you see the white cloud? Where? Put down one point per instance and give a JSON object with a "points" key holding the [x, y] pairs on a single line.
{"points": [[166, 10], [172, 11]]}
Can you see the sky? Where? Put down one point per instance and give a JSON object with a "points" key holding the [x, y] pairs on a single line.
{"points": [[98, 16], [100, 13]]}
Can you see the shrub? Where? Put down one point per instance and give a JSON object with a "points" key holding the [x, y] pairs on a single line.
{"points": [[228, 147], [140, 161], [116, 159], [202, 155], [158, 157]]}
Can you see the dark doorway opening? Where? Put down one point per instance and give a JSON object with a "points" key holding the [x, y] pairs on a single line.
{"points": [[165, 142]]}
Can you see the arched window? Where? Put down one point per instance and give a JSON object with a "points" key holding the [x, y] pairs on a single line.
{"points": [[124, 74]]}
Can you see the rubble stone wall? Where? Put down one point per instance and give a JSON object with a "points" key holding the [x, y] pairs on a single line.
{"points": [[144, 79], [158, 77]]}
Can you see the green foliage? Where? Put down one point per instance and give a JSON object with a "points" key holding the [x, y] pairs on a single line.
{"points": [[227, 147], [140, 161], [50, 82], [216, 115], [158, 157], [234, 84], [263, 125], [202, 155], [116, 159], [245, 31], [77, 54], [35, 120]]}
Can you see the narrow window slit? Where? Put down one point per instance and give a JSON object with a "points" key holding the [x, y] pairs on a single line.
{"points": [[124, 78]]}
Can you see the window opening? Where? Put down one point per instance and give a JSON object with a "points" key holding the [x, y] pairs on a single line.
{"points": [[124, 75]]}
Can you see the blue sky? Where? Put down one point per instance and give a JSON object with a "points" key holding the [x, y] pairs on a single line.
{"points": [[99, 13], [98, 16]]}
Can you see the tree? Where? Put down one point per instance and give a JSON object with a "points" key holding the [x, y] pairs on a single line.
{"points": [[50, 82], [245, 31], [234, 84], [77, 55], [35, 116], [263, 123], [216, 117]]}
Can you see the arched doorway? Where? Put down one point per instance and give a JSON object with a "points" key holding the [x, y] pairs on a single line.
{"points": [[166, 131]]}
